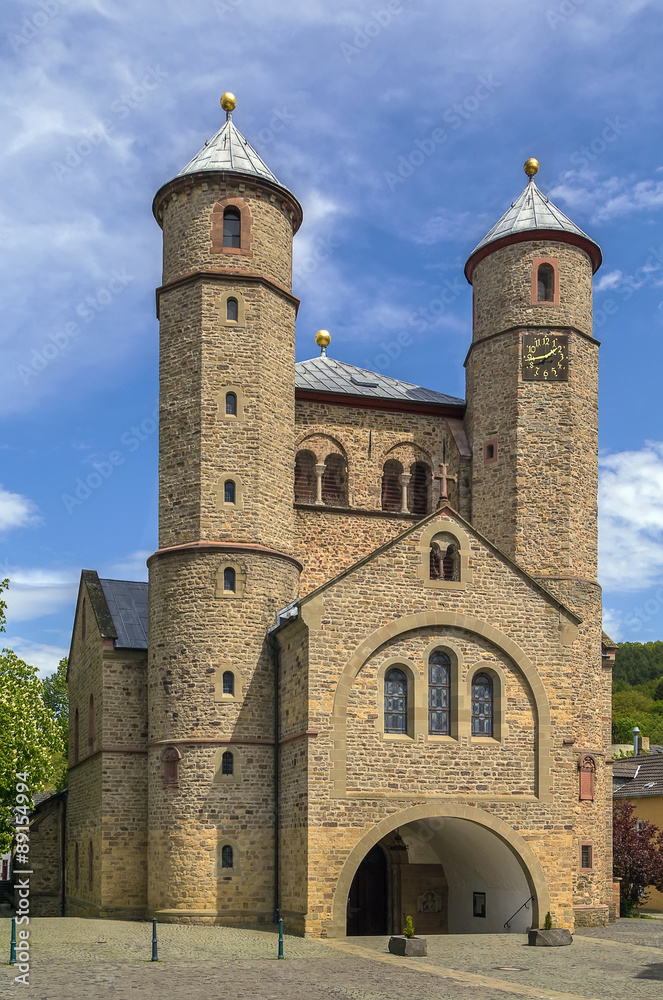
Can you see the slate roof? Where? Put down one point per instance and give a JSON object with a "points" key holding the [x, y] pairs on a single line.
{"points": [[647, 780], [229, 150], [325, 374], [127, 604]]}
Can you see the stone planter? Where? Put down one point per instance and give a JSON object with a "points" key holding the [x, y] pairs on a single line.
{"points": [[555, 938], [407, 947]]}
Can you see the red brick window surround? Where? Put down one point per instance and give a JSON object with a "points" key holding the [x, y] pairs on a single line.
{"points": [[587, 769], [545, 281], [245, 228], [490, 452], [586, 856]]}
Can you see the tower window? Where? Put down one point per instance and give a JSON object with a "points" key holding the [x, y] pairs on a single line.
{"points": [[228, 682], [305, 477], [232, 228], [418, 489], [227, 763], [439, 690], [229, 491], [335, 481], [482, 705], [586, 856], [171, 767], [395, 701], [232, 309], [231, 404], [229, 579], [545, 283], [392, 491], [226, 855]]}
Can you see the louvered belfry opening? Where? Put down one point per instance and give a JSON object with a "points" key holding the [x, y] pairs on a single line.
{"points": [[391, 485], [418, 488], [305, 477], [335, 481]]}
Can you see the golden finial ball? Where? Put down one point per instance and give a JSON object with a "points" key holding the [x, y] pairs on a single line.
{"points": [[228, 101], [531, 166], [323, 338]]}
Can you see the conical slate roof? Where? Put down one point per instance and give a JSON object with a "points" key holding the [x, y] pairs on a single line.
{"points": [[533, 212], [229, 150], [325, 374]]}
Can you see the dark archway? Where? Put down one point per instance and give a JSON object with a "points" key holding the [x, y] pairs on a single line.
{"points": [[367, 901]]}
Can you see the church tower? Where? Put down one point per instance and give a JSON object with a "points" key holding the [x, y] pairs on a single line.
{"points": [[532, 390], [225, 560]]}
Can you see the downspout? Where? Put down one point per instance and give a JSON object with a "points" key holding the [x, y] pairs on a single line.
{"points": [[276, 660]]}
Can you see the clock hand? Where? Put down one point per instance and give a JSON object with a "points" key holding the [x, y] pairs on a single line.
{"points": [[542, 357]]}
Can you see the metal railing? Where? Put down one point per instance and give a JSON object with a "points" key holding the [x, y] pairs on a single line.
{"points": [[507, 923]]}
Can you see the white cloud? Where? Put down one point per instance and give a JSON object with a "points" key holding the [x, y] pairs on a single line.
{"points": [[39, 654], [130, 568], [612, 623], [613, 279], [36, 592], [603, 200], [16, 511], [631, 518]]}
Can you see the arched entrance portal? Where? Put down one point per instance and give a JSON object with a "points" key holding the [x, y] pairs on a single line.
{"points": [[451, 874], [368, 898]]}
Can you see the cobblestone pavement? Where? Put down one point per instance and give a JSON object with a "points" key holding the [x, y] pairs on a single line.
{"points": [[75, 959]]}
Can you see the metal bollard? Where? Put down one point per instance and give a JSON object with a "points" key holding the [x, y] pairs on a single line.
{"points": [[155, 957], [12, 945], [280, 938]]}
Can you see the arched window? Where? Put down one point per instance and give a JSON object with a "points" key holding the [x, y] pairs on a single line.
{"points": [[171, 767], [226, 856], [229, 491], [228, 682], [392, 493], [76, 736], [439, 693], [90, 865], [450, 563], [418, 488], [482, 705], [335, 481], [231, 404], [435, 561], [228, 763], [229, 578], [545, 283], [305, 477], [90, 725], [232, 228], [76, 863], [232, 309], [395, 701], [587, 772]]}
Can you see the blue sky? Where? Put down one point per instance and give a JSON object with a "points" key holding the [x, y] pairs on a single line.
{"points": [[102, 102]]}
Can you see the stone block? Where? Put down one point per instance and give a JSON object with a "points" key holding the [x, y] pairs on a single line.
{"points": [[408, 947], [555, 938]]}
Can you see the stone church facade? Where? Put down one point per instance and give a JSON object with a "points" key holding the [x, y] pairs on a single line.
{"points": [[366, 678]]}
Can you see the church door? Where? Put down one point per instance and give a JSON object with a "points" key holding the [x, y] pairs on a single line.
{"points": [[367, 902]]}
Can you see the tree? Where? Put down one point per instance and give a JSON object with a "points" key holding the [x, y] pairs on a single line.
{"points": [[30, 735], [637, 855], [56, 698]]}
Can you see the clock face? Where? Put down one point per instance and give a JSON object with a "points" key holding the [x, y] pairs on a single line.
{"points": [[545, 357]]}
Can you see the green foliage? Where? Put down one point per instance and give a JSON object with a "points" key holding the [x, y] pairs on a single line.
{"points": [[547, 923], [408, 931], [637, 856], [30, 736], [638, 691], [56, 698], [3, 604]]}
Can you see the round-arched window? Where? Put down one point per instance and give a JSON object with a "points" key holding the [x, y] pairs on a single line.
{"points": [[395, 701], [482, 705]]}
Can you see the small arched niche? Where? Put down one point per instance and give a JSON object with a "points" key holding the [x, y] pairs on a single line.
{"points": [[445, 556]]}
